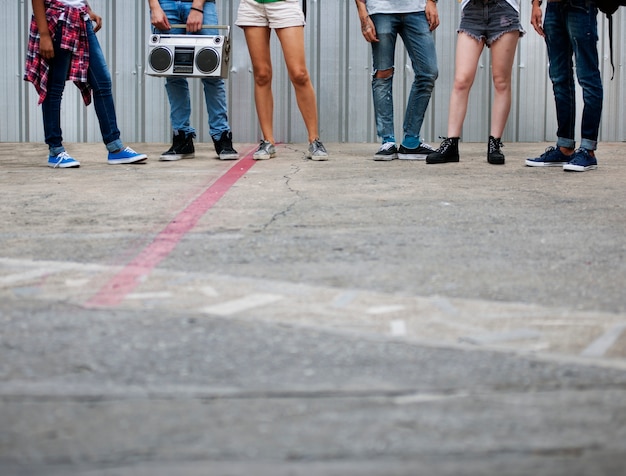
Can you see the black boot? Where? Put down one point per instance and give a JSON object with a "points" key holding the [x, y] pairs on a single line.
{"points": [[494, 154], [182, 147], [448, 151], [224, 147]]}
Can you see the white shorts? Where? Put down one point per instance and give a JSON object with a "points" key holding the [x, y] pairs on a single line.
{"points": [[283, 14]]}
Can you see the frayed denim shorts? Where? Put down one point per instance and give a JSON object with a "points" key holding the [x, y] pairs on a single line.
{"points": [[488, 20]]}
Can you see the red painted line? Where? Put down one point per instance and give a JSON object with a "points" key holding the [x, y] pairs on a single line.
{"points": [[124, 282]]}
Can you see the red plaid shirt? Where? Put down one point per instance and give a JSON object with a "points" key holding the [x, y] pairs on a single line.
{"points": [[73, 38]]}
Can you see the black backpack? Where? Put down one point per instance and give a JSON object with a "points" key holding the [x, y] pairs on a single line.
{"points": [[609, 7]]}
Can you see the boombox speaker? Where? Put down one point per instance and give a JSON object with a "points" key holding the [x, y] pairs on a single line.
{"points": [[194, 56]]}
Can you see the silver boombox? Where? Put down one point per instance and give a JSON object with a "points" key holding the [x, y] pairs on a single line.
{"points": [[194, 56]]}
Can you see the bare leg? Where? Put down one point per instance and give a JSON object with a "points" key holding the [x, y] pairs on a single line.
{"points": [[468, 51], [502, 56], [292, 42], [258, 40]]}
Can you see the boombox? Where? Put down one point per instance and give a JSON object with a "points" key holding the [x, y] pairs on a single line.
{"points": [[198, 56]]}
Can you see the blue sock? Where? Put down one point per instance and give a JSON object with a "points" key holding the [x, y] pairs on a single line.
{"points": [[411, 142]]}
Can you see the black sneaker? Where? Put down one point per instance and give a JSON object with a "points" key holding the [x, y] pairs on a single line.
{"points": [[418, 153], [182, 147], [494, 154], [387, 151], [448, 151], [224, 147]]}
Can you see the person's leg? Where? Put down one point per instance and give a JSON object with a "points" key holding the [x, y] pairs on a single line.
{"points": [[258, 41], [383, 52], [561, 71], [292, 42], [100, 80], [51, 106], [420, 45], [177, 88], [502, 57], [51, 109], [583, 29], [468, 51], [214, 88]]}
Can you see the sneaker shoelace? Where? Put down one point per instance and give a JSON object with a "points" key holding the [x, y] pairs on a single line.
{"points": [[495, 145], [318, 146], [61, 157], [445, 145], [387, 146]]}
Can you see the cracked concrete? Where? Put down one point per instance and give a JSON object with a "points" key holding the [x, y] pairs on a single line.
{"points": [[348, 317]]}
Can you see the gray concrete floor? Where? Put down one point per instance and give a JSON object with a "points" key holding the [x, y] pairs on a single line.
{"points": [[315, 318]]}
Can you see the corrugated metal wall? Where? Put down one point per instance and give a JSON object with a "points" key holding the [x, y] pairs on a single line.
{"points": [[339, 63]]}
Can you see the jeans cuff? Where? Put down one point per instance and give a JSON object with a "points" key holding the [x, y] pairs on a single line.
{"points": [[567, 143], [115, 145], [589, 144], [54, 151]]}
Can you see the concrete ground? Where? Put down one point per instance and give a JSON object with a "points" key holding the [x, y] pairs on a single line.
{"points": [[291, 317]]}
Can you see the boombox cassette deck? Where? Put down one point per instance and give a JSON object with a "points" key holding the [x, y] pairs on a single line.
{"points": [[194, 56]]}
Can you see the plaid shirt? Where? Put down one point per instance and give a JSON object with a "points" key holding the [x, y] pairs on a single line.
{"points": [[73, 31]]}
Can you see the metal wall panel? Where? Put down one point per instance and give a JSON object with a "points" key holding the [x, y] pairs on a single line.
{"points": [[340, 66]]}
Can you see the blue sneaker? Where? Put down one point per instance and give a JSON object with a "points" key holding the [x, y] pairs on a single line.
{"points": [[62, 161], [126, 156], [581, 162], [552, 157]]}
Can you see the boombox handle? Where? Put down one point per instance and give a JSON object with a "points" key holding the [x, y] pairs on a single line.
{"points": [[205, 27]]}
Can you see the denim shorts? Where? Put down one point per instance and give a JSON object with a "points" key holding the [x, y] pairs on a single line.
{"points": [[489, 20], [284, 14]]}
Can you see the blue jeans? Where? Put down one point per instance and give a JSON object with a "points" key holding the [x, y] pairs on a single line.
{"points": [[178, 88], [99, 79], [419, 42], [572, 31]]}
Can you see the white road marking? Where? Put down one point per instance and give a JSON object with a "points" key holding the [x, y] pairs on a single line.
{"points": [[398, 327], [602, 344], [246, 303]]}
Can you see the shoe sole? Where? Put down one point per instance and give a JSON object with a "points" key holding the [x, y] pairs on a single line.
{"points": [[133, 160], [413, 156], [172, 158], [496, 161], [531, 163], [319, 158], [264, 157], [73, 165], [443, 161], [228, 156], [385, 158], [578, 168]]}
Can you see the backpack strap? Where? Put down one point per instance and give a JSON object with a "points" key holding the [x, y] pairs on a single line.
{"points": [[610, 18]]}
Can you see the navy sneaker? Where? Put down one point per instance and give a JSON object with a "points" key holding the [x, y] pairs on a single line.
{"points": [[126, 156], [581, 161], [387, 151], [552, 157], [62, 161], [418, 153]]}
